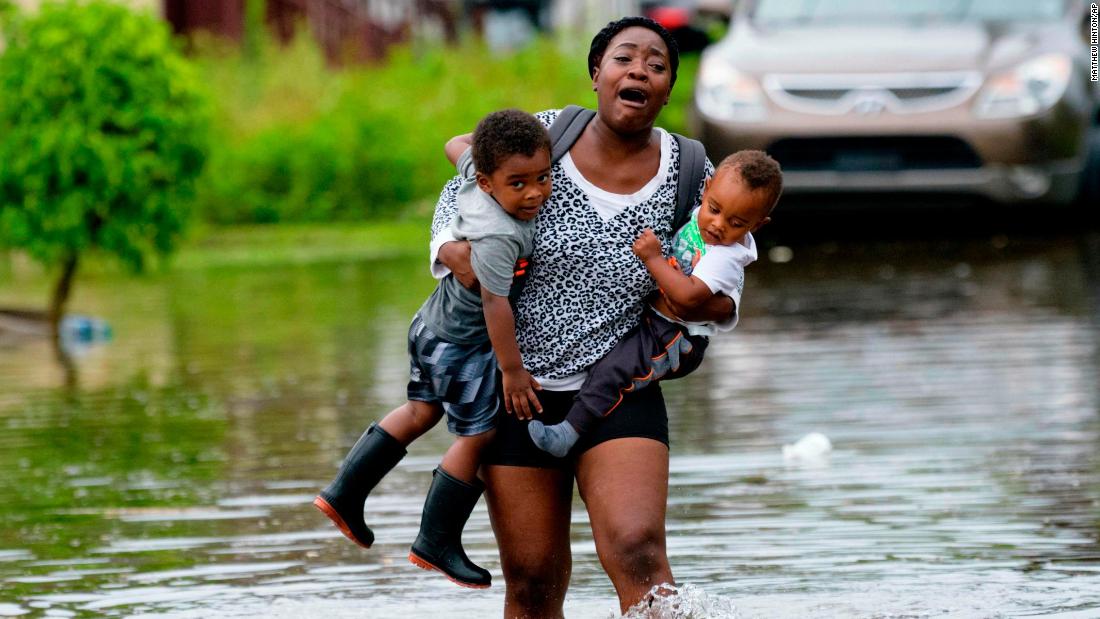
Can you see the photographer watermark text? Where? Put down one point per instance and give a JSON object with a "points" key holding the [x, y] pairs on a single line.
{"points": [[1093, 43]]}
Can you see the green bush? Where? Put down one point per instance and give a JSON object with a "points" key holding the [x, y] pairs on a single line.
{"points": [[102, 131], [300, 141]]}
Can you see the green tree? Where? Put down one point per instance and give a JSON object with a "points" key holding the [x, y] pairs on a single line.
{"points": [[103, 129]]}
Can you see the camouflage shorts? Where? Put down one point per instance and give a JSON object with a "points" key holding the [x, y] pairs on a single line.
{"points": [[461, 377]]}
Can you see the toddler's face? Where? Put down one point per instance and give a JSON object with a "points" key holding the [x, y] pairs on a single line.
{"points": [[520, 185], [730, 209]]}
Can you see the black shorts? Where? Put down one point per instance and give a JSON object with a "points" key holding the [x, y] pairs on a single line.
{"points": [[641, 414]]}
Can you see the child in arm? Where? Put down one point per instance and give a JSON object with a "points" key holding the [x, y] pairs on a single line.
{"points": [[518, 385], [709, 257], [457, 341]]}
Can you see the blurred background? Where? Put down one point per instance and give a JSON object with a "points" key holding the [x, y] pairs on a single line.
{"points": [[213, 233]]}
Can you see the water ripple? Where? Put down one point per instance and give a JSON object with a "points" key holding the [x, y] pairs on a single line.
{"points": [[964, 479]]}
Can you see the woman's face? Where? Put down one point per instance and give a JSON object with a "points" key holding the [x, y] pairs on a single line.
{"points": [[633, 80]]}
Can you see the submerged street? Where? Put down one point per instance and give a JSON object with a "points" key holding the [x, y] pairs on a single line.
{"points": [[954, 372]]}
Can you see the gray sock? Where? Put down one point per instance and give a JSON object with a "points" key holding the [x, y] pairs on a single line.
{"points": [[557, 439]]}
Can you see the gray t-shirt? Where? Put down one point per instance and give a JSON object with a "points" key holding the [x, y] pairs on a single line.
{"points": [[497, 240]]}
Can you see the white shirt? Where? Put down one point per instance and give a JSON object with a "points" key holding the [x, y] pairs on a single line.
{"points": [[606, 204], [722, 269]]}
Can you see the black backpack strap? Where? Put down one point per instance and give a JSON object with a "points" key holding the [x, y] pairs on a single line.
{"points": [[693, 165], [567, 127]]}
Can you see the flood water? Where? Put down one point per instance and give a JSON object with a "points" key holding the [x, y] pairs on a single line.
{"points": [[957, 380]]}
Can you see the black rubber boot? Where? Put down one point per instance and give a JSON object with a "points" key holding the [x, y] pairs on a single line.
{"points": [[374, 455], [439, 545]]}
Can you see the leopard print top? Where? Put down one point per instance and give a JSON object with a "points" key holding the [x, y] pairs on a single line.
{"points": [[586, 288]]}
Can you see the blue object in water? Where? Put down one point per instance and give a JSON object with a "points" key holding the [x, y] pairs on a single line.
{"points": [[85, 329]]}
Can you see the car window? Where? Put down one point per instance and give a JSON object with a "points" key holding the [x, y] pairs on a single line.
{"points": [[773, 12]]}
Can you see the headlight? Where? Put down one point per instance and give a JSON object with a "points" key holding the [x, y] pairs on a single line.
{"points": [[1028, 89], [724, 93]]}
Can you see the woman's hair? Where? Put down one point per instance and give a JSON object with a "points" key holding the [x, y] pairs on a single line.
{"points": [[505, 133], [603, 39], [758, 171]]}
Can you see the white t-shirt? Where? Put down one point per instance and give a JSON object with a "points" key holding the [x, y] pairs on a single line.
{"points": [[721, 268], [606, 204]]}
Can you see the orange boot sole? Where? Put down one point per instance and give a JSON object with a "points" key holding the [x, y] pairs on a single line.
{"points": [[424, 565], [334, 516]]}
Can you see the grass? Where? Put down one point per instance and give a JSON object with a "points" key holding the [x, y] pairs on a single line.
{"points": [[265, 245], [247, 246], [301, 141]]}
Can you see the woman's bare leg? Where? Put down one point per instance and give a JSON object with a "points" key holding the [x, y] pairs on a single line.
{"points": [[624, 484], [529, 509]]}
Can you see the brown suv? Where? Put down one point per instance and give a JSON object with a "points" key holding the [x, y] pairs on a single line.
{"points": [[987, 97]]}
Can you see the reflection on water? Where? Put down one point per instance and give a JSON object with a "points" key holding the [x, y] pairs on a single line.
{"points": [[957, 382]]}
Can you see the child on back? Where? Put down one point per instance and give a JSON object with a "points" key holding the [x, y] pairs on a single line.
{"points": [[709, 256], [452, 341]]}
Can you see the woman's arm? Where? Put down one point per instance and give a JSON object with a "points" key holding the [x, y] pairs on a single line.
{"points": [[446, 207], [718, 308], [455, 255], [457, 145], [445, 261]]}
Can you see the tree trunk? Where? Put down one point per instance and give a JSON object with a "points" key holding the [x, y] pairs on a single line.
{"points": [[61, 295], [57, 311]]}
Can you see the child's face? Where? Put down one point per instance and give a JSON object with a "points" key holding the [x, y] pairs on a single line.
{"points": [[730, 209], [520, 184]]}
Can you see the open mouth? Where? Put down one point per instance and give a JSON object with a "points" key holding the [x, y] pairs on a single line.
{"points": [[633, 96]]}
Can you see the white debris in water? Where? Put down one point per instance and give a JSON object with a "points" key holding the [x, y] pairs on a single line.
{"points": [[11, 610], [780, 254], [813, 446], [681, 602]]}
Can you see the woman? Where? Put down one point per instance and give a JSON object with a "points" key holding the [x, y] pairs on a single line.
{"points": [[586, 290]]}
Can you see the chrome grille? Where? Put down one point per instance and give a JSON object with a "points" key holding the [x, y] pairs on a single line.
{"points": [[914, 94], [898, 93]]}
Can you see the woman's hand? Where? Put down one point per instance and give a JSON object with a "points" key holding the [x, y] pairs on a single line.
{"points": [[455, 255], [718, 308], [519, 393], [648, 246]]}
